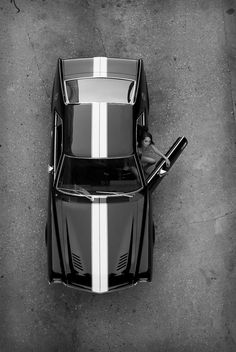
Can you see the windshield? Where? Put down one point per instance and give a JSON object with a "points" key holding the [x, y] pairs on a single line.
{"points": [[107, 90], [98, 176]]}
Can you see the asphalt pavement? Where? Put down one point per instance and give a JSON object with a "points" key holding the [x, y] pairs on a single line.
{"points": [[188, 48]]}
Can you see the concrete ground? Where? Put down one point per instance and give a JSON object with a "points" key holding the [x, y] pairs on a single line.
{"points": [[189, 54]]}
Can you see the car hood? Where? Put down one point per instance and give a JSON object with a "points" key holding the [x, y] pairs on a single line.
{"points": [[100, 240]]}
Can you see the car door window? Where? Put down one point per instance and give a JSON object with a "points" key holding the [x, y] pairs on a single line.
{"points": [[140, 126], [141, 119], [58, 140]]}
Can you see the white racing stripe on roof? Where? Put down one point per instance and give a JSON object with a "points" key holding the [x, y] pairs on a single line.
{"points": [[103, 130], [99, 130], [99, 114], [99, 247], [95, 135]]}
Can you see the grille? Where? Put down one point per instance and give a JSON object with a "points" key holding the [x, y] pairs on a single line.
{"points": [[77, 262], [122, 262]]}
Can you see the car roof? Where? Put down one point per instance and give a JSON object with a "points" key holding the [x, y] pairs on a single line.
{"points": [[98, 130]]}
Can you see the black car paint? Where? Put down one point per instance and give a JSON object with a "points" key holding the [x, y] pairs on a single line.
{"points": [[123, 225], [140, 246]]}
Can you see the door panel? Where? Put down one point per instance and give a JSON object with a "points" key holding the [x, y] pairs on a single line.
{"points": [[57, 141], [159, 171]]}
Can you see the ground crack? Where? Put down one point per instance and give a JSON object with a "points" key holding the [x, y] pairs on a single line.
{"points": [[101, 39], [14, 3], [212, 219], [36, 62]]}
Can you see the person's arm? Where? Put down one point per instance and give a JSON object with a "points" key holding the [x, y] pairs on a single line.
{"points": [[158, 152]]}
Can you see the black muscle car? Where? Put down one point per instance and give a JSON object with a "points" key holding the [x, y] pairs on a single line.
{"points": [[100, 230]]}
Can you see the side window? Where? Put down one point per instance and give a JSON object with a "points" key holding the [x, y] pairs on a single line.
{"points": [[140, 126], [142, 103], [141, 119], [58, 140]]}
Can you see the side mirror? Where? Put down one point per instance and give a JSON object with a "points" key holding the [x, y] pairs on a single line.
{"points": [[160, 169], [162, 172], [50, 169]]}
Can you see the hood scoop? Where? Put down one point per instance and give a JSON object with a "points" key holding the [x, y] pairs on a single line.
{"points": [[122, 264], [77, 263]]}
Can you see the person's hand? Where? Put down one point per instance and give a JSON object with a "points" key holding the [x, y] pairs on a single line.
{"points": [[167, 162]]}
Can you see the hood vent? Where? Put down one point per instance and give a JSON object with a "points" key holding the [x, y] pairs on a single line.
{"points": [[122, 262], [77, 264]]}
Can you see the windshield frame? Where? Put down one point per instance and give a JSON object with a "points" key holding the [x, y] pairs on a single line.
{"points": [[132, 98], [99, 195]]}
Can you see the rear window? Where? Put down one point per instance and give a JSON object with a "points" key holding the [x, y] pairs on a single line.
{"points": [[107, 90]]}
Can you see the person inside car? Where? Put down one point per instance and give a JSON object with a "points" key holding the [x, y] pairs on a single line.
{"points": [[145, 142]]}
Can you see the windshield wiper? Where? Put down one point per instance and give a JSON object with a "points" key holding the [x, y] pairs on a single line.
{"points": [[81, 192], [117, 194], [89, 196]]}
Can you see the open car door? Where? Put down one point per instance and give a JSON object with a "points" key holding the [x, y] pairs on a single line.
{"points": [[161, 169]]}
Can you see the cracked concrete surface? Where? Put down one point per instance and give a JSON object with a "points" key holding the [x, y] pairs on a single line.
{"points": [[190, 306]]}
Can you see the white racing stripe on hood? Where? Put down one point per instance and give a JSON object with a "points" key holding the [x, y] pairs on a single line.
{"points": [[95, 247], [99, 247]]}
